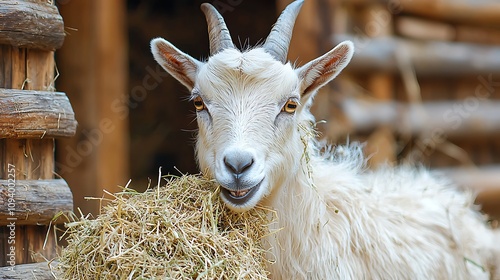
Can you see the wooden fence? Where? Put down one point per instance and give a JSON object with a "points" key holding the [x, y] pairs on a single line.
{"points": [[32, 115]]}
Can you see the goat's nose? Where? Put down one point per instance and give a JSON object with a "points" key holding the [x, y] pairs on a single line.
{"points": [[238, 162]]}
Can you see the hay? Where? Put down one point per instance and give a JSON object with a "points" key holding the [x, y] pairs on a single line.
{"points": [[181, 230]]}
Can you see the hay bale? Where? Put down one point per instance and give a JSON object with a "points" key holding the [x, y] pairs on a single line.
{"points": [[180, 230]]}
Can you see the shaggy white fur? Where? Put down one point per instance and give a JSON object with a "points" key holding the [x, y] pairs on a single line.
{"points": [[344, 222], [336, 220]]}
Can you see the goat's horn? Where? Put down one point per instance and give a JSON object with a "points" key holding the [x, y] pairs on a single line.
{"points": [[218, 33], [278, 41]]}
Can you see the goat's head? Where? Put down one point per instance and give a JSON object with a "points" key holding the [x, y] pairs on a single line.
{"points": [[250, 105]]}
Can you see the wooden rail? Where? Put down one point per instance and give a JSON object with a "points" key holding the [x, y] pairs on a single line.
{"points": [[35, 271], [450, 118], [28, 24], [35, 114], [35, 202], [484, 12], [429, 58]]}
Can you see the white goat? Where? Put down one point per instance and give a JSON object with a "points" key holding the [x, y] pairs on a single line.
{"points": [[336, 219]]}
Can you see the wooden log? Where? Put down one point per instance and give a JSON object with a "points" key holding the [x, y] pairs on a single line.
{"points": [[31, 24], [423, 29], [34, 202], [478, 35], [35, 114], [32, 271], [483, 12], [429, 58], [470, 117], [480, 178]]}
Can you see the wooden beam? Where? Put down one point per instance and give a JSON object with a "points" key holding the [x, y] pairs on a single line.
{"points": [[38, 271], [35, 114], [480, 178], [34, 202], [28, 24], [482, 12], [461, 118], [424, 29], [429, 58]]}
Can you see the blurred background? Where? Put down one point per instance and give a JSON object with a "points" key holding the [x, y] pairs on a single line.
{"points": [[423, 88]]}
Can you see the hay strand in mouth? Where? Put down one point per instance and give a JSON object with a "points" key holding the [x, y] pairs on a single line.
{"points": [[181, 230]]}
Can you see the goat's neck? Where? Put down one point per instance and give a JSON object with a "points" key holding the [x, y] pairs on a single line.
{"points": [[296, 186]]}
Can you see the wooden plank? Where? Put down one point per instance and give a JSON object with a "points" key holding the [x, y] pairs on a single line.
{"points": [[424, 29], [470, 117], [478, 35], [32, 271], [94, 67], [429, 58], [40, 67], [480, 178], [35, 114], [29, 158], [30, 24], [483, 12], [34, 202]]}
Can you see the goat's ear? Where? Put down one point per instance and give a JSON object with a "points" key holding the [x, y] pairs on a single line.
{"points": [[178, 64], [323, 69]]}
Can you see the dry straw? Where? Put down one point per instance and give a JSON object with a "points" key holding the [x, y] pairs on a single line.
{"points": [[178, 231]]}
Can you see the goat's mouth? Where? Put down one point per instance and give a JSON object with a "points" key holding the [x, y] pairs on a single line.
{"points": [[240, 197]]}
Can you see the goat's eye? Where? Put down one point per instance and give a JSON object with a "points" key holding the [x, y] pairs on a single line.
{"points": [[198, 103], [290, 106]]}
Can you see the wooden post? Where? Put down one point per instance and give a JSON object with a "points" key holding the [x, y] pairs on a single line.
{"points": [[94, 69], [381, 144], [31, 115]]}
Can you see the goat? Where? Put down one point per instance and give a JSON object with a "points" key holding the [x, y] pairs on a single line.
{"points": [[336, 219]]}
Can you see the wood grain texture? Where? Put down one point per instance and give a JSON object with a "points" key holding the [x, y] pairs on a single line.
{"points": [[484, 12], [38, 271], [429, 58], [34, 202], [35, 114], [31, 24], [469, 118], [28, 64]]}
